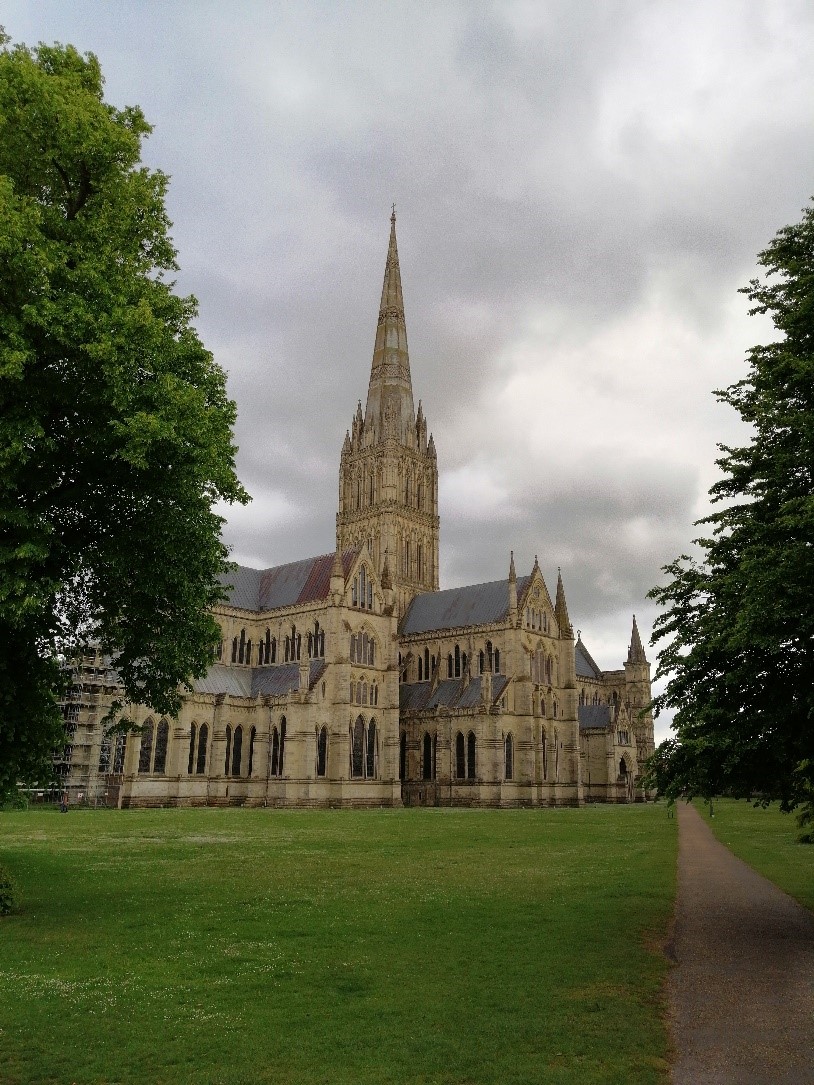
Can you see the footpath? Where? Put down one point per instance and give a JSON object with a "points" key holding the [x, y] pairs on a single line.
{"points": [[741, 995]]}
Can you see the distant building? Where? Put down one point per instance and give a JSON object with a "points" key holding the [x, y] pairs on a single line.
{"points": [[349, 679]]}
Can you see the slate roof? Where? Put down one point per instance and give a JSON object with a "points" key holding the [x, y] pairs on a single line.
{"points": [[594, 715], [253, 681], [458, 608], [585, 666], [303, 581], [419, 696]]}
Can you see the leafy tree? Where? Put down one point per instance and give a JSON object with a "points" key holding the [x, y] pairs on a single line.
{"points": [[739, 624], [115, 426]]}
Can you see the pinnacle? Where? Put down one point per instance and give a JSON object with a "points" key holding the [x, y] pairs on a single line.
{"points": [[561, 607], [635, 653]]}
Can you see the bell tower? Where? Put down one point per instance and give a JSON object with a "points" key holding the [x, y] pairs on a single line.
{"points": [[388, 471]]}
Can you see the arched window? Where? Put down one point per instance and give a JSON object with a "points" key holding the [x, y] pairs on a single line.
{"points": [[420, 669], [237, 751], [481, 662], [241, 651], [322, 751], [545, 755], [162, 736], [200, 764], [449, 666], [357, 759], [228, 760], [470, 756], [192, 734], [464, 661], [104, 756], [118, 753], [146, 749], [420, 562], [623, 768], [509, 750], [275, 752], [252, 737], [426, 760], [371, 750], [403, 755], [427, 671], [457, 661], [287, 648], [282, 743], [460, 756], [248, 652], [234, 650]]}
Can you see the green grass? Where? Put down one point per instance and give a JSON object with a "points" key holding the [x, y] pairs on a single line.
{"points": [[765, 838], [419, 946]]}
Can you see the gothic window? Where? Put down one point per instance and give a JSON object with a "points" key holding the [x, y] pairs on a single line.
{"points": [[464, 661], [460, 756], [548, 670], [310, 645], [449, 666], [161, 740], [275, 752], [555, 710], [227, 761], [104, 756], [241, 651], [322, 751], [248, 652], [623, 768], [374, 693], [497, 659], [481, 662], [287, 648], [420, 496], [146, 749], [234, 650], [509, 759], [403, 755], [420, 561], [252, 737], [371, 489], [237, 751], [357, 761], [420, 669], [407, 558], [545, 756], [282, 743], [407, 489], [358, 491], [457, 661], [426, 760], [470, 756], [322, 644], [299, 645], [371, 750], [219, 650], [200, 764], [427, 671], [556, 753]]}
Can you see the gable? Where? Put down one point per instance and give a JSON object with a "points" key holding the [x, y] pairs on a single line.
{"points": [[458, 608]]}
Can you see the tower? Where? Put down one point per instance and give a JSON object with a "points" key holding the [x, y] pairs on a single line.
{"points": [[388, 470]]}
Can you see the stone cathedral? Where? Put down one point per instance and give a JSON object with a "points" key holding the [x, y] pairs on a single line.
{"points": [[350, 679]]}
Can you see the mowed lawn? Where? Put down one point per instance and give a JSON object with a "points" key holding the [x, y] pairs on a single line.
{"points": [[766, 839], [414, 946]]}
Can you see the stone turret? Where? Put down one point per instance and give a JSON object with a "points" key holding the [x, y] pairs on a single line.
{"points": [[638, 695], [512, 590]]}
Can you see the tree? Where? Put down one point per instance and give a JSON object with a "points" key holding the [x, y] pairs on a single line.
{"points": [[115, 426], [739, 624]]}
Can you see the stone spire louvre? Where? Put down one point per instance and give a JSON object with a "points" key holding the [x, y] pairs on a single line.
{"points": [[390, 410]]}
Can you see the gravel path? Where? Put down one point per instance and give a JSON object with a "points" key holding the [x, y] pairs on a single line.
{"points": [[742, 992]]}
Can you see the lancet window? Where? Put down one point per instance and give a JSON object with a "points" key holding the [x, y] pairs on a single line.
{"points": [[277, 751], [162, 737], [267, 650], [322, 751], [509, 757], [364, 754], [361, 594], [252, 738], [362, 649], [146, 748], [200, 762]]}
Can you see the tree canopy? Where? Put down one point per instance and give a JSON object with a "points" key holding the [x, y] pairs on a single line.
{"points": [[115, 425], [739, 624]]}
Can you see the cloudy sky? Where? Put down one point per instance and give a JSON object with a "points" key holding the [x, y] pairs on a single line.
{"points": [[581, 188]]}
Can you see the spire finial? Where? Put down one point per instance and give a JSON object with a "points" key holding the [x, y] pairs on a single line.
{"points": [[393, 216]]}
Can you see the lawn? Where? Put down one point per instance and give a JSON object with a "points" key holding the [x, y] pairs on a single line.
{"points": [[766, 840], [344, 947]]}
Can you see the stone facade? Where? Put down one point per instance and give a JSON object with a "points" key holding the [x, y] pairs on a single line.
{"points": [[349, 679]]}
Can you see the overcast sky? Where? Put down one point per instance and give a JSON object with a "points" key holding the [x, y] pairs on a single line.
{"points": [[581, 189]]}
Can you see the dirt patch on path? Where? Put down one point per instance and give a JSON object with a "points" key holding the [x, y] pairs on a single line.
{"points": [[742, 993]]}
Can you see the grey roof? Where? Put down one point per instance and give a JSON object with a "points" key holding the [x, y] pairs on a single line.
{"points": [[585, 666], [257, 681], [458, 608], [302, 581], [594, 715], [420, 697]]}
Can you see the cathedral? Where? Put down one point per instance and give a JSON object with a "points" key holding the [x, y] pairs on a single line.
{"points": [[351, 679]]}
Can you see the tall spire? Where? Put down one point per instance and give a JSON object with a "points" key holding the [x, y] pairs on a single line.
{"points": [[390, 409], [635, 653], [561, 609]]}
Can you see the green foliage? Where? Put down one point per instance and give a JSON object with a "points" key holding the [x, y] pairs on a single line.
{"points": [[115, 426], [739, 625], [8, 892], [346, 947]]}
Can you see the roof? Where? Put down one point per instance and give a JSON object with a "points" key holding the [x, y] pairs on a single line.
{"points": [[585, 666], [304, 581], [594, 715], [420, 697], [274, 681], [458, 608]]}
